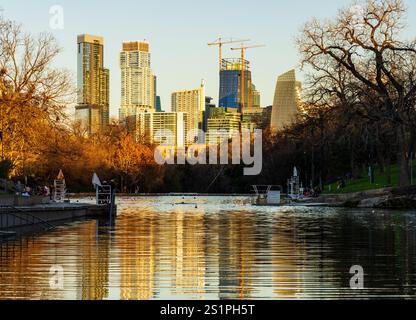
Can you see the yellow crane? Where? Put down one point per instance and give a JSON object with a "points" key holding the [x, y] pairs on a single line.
{"points": [[243, 49], [220, 42]]}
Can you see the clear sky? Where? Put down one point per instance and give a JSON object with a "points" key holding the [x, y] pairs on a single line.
{"points": [[178, 32]]}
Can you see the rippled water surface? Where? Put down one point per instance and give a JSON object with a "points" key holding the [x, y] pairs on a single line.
{"points": [[217, 248]]}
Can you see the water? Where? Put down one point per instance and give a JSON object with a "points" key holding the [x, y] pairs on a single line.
{"points": [[217, 248]]}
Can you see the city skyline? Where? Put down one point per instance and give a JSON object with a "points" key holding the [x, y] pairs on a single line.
{"points": [[182, 38]]}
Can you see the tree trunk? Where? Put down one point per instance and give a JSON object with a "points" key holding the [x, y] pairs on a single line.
{"points": [[403, 158]]}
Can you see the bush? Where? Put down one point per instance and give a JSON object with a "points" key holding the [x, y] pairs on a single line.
{"points": [[5, 167]]}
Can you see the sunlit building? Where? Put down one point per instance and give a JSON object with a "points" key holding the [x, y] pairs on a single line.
{"points": [[138, 85], [252, 118], [93, 107], [226, 121], [191, 102], [168, 128], [158, 104], [137, 80], [286, 101], [230, 95], [208, 113]]}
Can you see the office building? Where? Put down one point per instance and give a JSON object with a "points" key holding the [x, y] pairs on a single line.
{"points": [[286, 101], [137, 80], [192, 102], [93, 107], [158, 104], [252, 118], [226, 120], [150, 127], [208, 113], [230, 95]]}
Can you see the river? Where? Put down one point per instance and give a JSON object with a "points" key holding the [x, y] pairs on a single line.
{"points": [[216, 248]]}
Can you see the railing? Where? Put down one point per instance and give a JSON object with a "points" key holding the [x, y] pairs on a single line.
{"points": [[21, 216]]}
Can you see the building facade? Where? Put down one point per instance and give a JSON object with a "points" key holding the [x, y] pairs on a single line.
{"points": [[252, 118], [138, 84], [286, 101], [158, 104], [169, 128], [192, 102], [93, 106], [230, 95], [224, 120]]}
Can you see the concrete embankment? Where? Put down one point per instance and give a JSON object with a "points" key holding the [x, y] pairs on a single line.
{"points": [[43, 217], [387, 198]]}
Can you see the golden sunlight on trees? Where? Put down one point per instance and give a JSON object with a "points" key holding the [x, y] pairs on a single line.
{"points": [[37, 137], [359, 62], [33, 95]]}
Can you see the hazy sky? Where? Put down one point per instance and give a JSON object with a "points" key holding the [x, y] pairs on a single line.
{"points": [[178, 32]]}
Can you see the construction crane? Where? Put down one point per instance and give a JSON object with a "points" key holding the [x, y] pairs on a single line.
{"points": [[243, 49], [220, 42]]}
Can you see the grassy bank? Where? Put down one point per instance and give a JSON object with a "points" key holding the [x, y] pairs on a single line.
{"points": [[363, 183]]}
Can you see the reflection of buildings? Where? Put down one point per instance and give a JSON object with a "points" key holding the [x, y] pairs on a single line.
{"points": [[94, 260], [25, 265], [237, 256], [288, 261], [190, 253], [137, 245], [286, 101], [93, 108]]}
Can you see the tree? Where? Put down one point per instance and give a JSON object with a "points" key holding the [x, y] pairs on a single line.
{"points": [[32, 92], [365, 44]]}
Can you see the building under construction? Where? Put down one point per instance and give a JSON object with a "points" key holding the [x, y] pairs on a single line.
{"points": [[230, 95]]}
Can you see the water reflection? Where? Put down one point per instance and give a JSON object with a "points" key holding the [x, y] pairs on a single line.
{"points": [[220, 248]]}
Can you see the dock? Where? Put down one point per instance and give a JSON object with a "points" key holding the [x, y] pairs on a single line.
{"points": [[18, 220]]}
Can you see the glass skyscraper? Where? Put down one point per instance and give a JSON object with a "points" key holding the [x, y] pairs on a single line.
{"points": [[286, 101], [230, 86], [93, 108]]}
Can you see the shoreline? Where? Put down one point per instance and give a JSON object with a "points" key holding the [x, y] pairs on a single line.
{"points": [[383, 198]]}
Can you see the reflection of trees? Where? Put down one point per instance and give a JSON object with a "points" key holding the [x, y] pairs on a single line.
{"points": [[383, 243]]}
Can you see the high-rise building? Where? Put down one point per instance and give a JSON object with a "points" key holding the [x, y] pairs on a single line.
{"points": [[286, 101], [93, 108], [255, 96], [252, 118], [158, 104], [137, 80], [152, 126], [230, 95], [267, 116], [208, 113], [227, 120], [193, 103]]}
